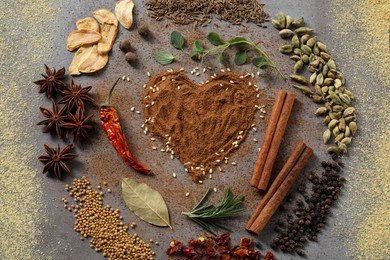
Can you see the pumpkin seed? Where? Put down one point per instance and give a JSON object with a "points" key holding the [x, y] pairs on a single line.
{"points": [[326, 136]]}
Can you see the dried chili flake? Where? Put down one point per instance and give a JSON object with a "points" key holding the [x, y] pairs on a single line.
{"points": [[174, 247], [269, 256], [246, 242]]}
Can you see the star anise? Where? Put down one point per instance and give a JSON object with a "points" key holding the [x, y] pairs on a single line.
{"points": [[54, 160], [53, 118], [51, 82], [78, 124], [75, 96]]}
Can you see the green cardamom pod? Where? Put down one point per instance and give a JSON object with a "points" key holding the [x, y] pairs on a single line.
{"points": [[311, 42], [286, 49], [304, 38], [342, 124], [321, 111], [349, 93], [350, 118], [322, 47], [342, 147], [276, 24], [332, 123], [353, 128], [295, 58], [317, 99], [325, 56], [306, 49], [327, 120], [336, 131], [337, 108], [295, 41], [331, 74], [337, 83], [331, 64], [320, 79], [303, 30], [312, 69], [318, 90], [289, 21], [282, 19], [349, 111], [298, 22], [325, 70], [339, 137], [286, 33], [299, 79], [305, 59], [335, 115], [333, 149], [326, 136], [298, 66], [331, 88], [328, 106], [345, 98], [305, 89], [325, 89], [315, 63], [346, 140], [334, 97], [347, 131], [316, 50], [297, 51], [313, 77], [328, 81]]}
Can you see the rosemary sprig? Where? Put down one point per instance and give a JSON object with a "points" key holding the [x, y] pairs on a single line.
{"points": [[208, 216]]}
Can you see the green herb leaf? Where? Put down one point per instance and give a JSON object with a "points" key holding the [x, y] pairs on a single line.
{"points": [[261, 62], [164, 57], [145, 202], [209, 216], [214, 38], [220, 57], [237, 40], [198, 45], [241, 57], [177, 40]]}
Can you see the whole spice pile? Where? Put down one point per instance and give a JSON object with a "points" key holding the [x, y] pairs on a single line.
{"points": [[328, 81], [200, 125], [103, 224], [310, 216], [200, 11], [215, 247]]}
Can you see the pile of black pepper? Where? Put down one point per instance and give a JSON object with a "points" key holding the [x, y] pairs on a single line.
{"points": [[310, 216]]}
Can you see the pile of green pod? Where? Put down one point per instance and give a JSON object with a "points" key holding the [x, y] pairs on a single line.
{"points": [[326, 84]]}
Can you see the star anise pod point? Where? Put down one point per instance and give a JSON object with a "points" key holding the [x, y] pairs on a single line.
{"points": [[52, 81], [55, 158]]}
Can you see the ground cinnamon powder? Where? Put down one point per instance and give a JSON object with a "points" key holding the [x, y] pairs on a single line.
{"points": [[200, 124]]}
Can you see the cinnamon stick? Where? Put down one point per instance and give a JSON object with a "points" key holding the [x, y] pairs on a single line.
{"points": [[276, 141], [292, 160], [269, 133], [276, 199]]}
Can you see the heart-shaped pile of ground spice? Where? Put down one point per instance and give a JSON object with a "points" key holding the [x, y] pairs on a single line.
{"points": [[199, 124]]}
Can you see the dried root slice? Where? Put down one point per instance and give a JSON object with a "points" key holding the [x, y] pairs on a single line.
{"points": [[81, 55], [82, 38], [105, 16], [88, 23], [124, 12], [93, 61], [109, 33]]}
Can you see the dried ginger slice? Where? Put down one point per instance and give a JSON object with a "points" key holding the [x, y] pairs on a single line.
{"points": [[124, 13], [108, 32], [80, 56], [105, 16], [88, 23], [82, 38], [93, 62]]}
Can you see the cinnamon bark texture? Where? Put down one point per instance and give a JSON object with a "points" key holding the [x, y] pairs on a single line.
{"points": [[272, 140], [279, 188]]}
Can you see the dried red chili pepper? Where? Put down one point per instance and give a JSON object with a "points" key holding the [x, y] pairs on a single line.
{"points": [[269, 256], [111, 126]]}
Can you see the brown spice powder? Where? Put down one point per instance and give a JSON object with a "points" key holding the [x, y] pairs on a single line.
{"points": [[200, 125]]}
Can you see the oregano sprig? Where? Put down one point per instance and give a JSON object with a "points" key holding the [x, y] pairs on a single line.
{"points": [[199, 52], [165, 57], [209, 216]]}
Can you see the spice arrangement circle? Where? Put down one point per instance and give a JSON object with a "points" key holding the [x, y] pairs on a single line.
{"points": [[190, 131]]}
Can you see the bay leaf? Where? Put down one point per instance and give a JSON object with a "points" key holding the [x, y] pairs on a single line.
{"points": [[145, 202]]}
